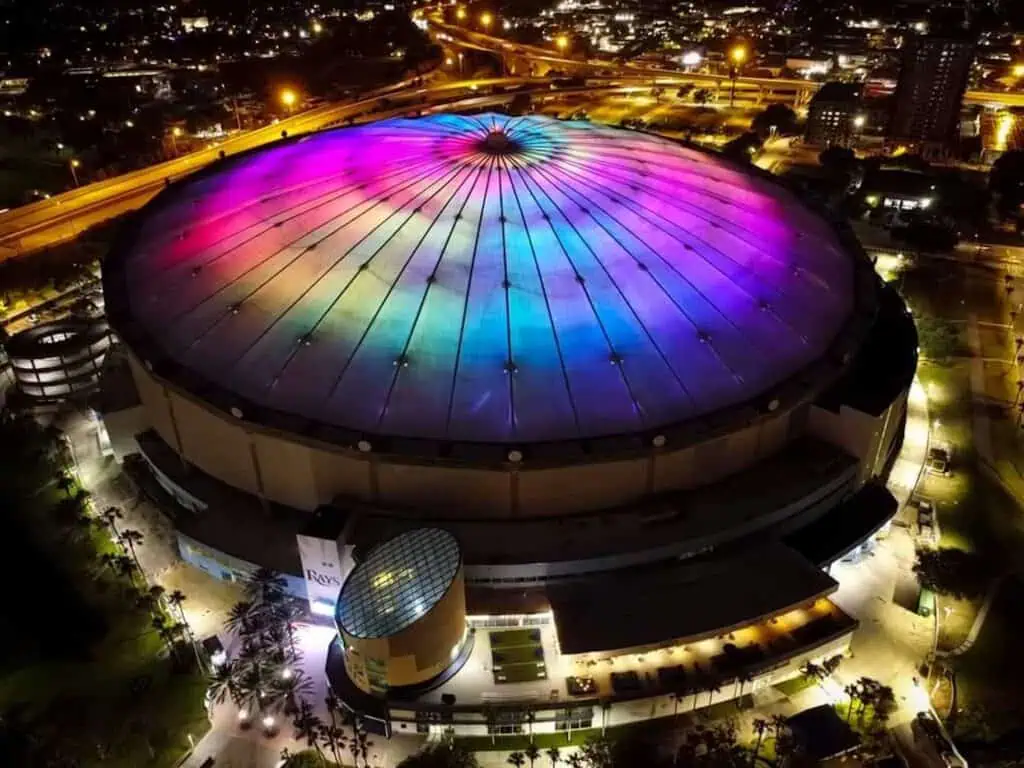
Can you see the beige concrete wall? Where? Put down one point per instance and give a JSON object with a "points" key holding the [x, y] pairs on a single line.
{"points": [[122, 427], [215, 443], [452, 489], [336, 473], [154, 400], [855, 432], [675, 469], [587, 486], [286, 468]]}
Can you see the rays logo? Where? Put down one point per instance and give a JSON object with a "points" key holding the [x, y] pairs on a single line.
{"points": [[323, 579]]}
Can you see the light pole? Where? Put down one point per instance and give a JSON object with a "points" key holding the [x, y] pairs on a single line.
{"points": [[175, 133], [562, 43], [73, 164], [738, 55], [486, 19]]}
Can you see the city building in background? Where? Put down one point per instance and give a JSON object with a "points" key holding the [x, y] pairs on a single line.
{"points": [[834, 116], [578, 434], [929, 94]]}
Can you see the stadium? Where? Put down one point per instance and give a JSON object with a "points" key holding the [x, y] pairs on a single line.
{"points": [[593, 410]]}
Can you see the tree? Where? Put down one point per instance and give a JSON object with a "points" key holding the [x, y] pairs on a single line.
{"points": [[223, 684], [575, 760], [831, 664], [1006, 182], [131, 538], [110, 516], [516, 759], [742, 148], [702, 96], [813, 672], [853, 691], [775, 116], [308, 728], [554, 754], [333, 737], [953, 572], [838, 159], [65, 482], [175, 600], [939, 339], [444, 754], [532, 752], [761, 727]]}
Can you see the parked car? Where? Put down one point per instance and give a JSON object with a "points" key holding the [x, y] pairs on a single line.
{"points": [[938, 460]]}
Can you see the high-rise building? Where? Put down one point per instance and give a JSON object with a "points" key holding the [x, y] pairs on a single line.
{"points": [[833, 115], [930, 91]]}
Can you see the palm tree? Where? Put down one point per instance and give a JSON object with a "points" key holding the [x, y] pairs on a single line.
{"points": [[760, 726], [240, 618], [130, 538], [885, 700], [364, 743], [575, 760], [554, 754], [813, 672], [125, 566], [308, 728], [65, 482], [353, 747], [831, 664], [853, 692], [110, 516], [333, 737], [175, 600], [532, 752], [223, 683], [516, 759], [333, 704]]}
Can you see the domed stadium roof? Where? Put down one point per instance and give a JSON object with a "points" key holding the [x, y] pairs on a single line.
{"points": [[483, 279], [398, 583]]}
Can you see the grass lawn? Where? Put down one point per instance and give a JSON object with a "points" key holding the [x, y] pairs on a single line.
{"points": [[512, 637], [519, 654], [990, 675], [794, 685]]}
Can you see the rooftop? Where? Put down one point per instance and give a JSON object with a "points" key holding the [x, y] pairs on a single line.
{"points": [[412, 278], [400, 581]]}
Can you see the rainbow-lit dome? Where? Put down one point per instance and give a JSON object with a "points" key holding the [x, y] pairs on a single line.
{"points": [[483, 279]]}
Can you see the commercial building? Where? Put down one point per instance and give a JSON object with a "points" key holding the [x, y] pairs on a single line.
{"points": [[834, 116], [555, 420], [930, 91]]}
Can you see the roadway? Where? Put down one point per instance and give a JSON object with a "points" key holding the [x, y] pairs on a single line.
{"points": [[64, 217]]}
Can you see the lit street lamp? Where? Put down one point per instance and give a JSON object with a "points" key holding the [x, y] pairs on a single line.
{"points": [[288, 98], [73, 165], [317, 27], [460, 14], [737, 55], [562, 43], [175, 133], [859, 121], [486, 19]]}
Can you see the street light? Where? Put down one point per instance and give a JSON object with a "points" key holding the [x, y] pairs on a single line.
{"points": [[859, 121], [317, 27], [562, 42], [1018, 70], [486, 19], [460, 14], [175, 133], [73, 165], [738, 55], [288, 98]]}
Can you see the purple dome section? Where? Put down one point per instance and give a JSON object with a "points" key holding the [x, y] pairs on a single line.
{"points": [[488, 278]]}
